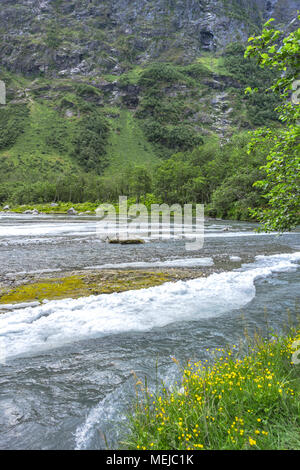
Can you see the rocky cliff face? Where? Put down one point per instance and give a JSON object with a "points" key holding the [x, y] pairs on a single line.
{"points": [[88, 37]]}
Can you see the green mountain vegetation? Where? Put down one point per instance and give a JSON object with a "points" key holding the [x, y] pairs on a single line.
{"points": [[58, 143], [150, 120]]}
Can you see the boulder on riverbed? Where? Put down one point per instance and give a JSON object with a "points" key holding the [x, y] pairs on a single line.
{"points": [[72, 211], [31, 212]]}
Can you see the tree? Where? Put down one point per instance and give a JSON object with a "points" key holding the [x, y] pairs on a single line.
{"points": [[281, 185], [176, 180], [139, 181]]}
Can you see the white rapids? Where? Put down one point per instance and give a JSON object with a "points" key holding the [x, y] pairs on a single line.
{"points": [[171, 263], [34, 329]]}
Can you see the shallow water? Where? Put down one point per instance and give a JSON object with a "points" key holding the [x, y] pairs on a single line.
{"points": [[67, 377]]}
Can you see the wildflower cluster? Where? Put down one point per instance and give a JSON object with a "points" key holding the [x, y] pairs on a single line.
{"points": [[249, 402]]}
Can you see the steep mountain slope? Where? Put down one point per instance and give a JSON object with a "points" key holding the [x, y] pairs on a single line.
{"points": [[75, 37]]}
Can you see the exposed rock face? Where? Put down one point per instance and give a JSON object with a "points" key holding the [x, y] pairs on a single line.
{"points": [[89, 48], [81, 37]]}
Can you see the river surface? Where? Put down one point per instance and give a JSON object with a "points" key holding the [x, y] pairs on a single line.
{"points": [[66, 366]]}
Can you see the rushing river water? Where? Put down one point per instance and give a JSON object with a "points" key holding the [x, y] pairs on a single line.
{"points": [[66, 374]]}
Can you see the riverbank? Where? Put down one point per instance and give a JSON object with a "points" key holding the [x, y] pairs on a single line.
{"points": [[85, 208], [38, 287], [241, 401]]}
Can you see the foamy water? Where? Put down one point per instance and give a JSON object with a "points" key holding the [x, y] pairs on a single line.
{"points": [[56, 323], [172, 263], [66, 366]]}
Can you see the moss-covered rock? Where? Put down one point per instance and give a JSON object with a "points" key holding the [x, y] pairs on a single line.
{"points": [[81, 284]]}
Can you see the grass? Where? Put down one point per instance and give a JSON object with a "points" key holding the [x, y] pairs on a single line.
{"points": [[249, 402], [44, 145], [213, 64], [127, 144], [86, 208]]}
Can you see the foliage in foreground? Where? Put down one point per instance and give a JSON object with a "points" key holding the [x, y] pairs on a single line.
{"points": [[237, 403], [282, 181]]}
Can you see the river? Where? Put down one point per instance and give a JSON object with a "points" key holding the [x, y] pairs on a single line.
{"points": [[66, 373]]}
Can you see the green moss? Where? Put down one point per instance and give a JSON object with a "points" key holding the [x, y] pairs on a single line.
{"points": [[48, 289], [83, 285]]}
